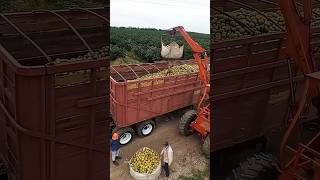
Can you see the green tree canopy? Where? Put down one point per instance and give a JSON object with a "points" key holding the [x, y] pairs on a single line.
{"points": [[146, 43]]}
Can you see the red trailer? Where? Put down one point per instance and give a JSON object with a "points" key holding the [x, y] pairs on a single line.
{"points": [[256, 73], [135, 103], [255, 87], [53, 117]]}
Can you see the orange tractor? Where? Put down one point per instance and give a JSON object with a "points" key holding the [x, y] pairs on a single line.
{"points": [[296, 160], [197, 121]]}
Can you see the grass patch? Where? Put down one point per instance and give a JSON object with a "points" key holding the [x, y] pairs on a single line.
{"points": [[197, 175]]}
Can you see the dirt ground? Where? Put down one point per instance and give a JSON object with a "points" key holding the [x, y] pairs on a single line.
{"points": [[187, 151]]}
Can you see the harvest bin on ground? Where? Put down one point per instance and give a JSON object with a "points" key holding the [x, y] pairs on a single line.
{"points": [[53, 117], [135, 103]]}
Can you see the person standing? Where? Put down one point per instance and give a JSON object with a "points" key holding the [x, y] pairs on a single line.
{"points": [[115, 148], [165, 153]]}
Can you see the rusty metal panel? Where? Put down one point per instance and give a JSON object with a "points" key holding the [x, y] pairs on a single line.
{"points": [[251, 90], [55, 116]]}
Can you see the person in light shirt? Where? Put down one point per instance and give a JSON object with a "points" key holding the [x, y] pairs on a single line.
{"points": [[165, 153]]}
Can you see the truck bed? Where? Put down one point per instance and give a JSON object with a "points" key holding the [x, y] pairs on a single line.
{"points": [[251, 83], [133, 101]]}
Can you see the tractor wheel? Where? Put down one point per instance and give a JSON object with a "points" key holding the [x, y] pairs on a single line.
{"points": [[206, 147], [125, 135], [259, 167], [185, 121], [145, 128]]}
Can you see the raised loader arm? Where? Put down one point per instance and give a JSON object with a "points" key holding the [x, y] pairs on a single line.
{"points": [[298, 48], [298, 33], [198, 51]]}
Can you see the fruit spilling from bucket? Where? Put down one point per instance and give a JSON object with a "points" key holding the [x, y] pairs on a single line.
{"points": [[145, 160]]}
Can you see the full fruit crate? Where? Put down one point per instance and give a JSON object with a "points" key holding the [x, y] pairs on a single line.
{"points": [[54, 116]]}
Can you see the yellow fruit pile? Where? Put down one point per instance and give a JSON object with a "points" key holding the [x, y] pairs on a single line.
{"points": [[145, 160], [101, 53], [173, 71]]}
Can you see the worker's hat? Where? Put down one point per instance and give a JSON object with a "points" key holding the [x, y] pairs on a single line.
{"points": [[115, 136]]}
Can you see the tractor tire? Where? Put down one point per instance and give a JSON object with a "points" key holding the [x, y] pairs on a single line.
{"points": [[259, 167], [145, 128], [185, 121], [206, 147], [125, 135]]}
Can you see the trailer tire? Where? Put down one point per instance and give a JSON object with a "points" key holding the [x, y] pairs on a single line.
{"points": [[259, 167], [206, 147], [145, 128], [128, 132], [185, 121]]}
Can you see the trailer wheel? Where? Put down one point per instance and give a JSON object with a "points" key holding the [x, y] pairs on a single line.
{"points": [[259, 167], [145, 128], [206, 147], [185, 121], [125, 135]]}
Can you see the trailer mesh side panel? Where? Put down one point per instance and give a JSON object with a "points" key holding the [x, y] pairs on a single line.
{"points": [[54, 117]]}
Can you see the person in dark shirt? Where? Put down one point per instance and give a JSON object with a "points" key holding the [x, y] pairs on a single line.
{"points": [[115, 148]]}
